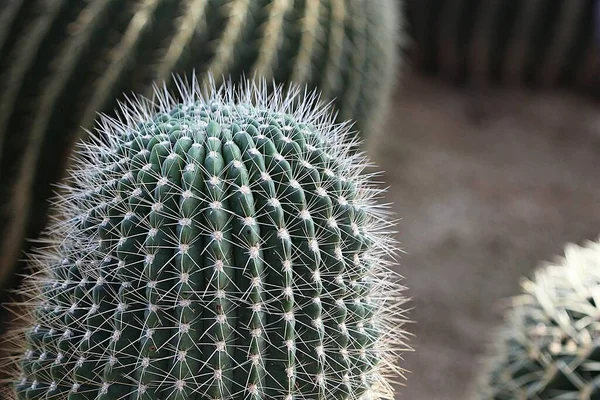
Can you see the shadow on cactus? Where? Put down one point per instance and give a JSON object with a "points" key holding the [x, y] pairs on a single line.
{"points": [[550, 347], [63, 61], [228, 246]]}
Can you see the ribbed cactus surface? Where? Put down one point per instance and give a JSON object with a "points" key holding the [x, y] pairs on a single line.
{"points": [[540, 42], [226, 247], [63, 61], [550, 346]]}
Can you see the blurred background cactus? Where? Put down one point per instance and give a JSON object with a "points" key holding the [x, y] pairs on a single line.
{"points": [[537, 42], [550, 346], [227, 247], [63, 61]]}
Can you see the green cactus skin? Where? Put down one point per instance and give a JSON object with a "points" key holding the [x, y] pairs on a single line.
{"points": [[63, 61], [228, 246], [550, 346], [538, 42]]}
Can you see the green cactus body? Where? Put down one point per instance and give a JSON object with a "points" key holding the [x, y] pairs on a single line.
{"points": [[63, 61], [539, 42], [550, 346], [224, 247]]}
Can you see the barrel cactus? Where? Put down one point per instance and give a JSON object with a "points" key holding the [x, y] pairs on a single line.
{"points": [[519, 41], [550, 347], [63, 61], [227, 246]]}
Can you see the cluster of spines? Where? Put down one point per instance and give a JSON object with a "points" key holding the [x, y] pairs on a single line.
{"points": [[63, 61], [216, 250], [542, 43], [549, 347]]}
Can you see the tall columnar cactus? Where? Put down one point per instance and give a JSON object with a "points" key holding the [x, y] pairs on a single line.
{"points": [[544, 42], [63, 61], [550, 347], [225, 247]]}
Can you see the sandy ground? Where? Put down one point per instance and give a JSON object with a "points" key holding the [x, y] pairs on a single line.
{"points": [[487, 183]]}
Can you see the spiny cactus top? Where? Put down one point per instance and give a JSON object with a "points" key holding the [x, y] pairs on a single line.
{"points": [[550, 347], [63, 61], [225, 247]]}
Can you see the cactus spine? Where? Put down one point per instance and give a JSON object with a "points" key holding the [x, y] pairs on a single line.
{"points": [[63, 61], [549, 348], [227, 246]]}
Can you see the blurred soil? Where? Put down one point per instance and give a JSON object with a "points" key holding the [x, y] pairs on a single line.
{"points": [[487, 184]]}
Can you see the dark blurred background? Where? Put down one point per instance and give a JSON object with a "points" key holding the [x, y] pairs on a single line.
{"points": [[538, 43], [492, 152]]}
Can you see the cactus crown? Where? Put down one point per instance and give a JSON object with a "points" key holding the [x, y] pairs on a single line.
{"points": [[550, 346], [63, 61], [228, 246]]}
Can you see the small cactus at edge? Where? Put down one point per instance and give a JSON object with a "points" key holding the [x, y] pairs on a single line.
{"points": [[550, 347], [225, 246]]}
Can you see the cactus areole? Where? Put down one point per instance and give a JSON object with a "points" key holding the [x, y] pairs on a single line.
{"points": [[229, 246]]}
